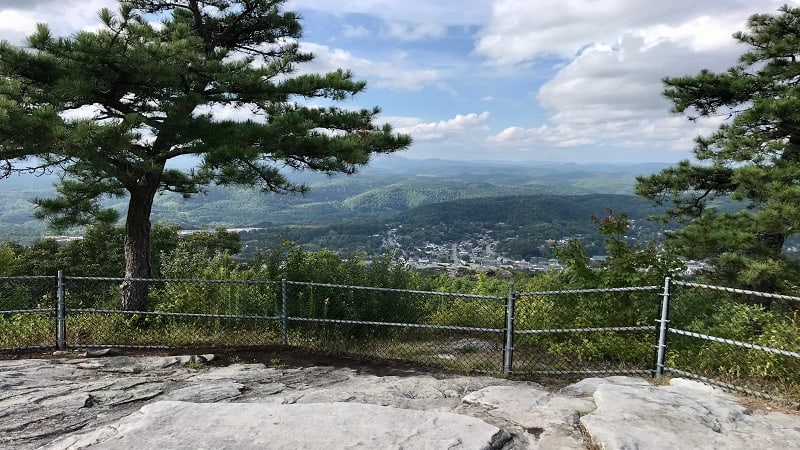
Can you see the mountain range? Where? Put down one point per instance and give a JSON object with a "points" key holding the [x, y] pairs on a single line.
{"points": [[390, 191]]}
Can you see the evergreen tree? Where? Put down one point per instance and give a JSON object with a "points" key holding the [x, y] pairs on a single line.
{"points": [[109, 109], [754, 158]]}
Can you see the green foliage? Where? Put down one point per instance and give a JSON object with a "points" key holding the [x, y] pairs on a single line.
{"points": [[18, 296], [626, 264], [39, 258], [211, 242], [98, 253], [8, 258], [26, 330], [347, 303], [737, 319], [187, 262], [753, 158], [468, 312], [163, 240]]}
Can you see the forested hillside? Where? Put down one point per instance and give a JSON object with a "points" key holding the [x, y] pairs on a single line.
{"points": [[520, 223], [441, 200]]}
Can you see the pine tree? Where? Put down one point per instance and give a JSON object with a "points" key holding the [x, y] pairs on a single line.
{"points": [[753, 158], [109, 109]]}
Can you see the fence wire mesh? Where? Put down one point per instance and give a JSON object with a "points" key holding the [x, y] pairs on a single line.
{"points": [[456, 331], [739, 339], [27, 312], [729, 337], [179, 313], [590, 331]]}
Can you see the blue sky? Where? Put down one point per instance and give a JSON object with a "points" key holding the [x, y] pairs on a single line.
{"points": [[519, 80]]}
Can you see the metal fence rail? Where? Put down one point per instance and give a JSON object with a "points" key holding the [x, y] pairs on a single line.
{"points": [[737, 291], [635, 330], [592, 291], [748, 345]]}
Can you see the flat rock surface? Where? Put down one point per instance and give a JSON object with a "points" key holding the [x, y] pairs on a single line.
{"points": [[186, 402]]}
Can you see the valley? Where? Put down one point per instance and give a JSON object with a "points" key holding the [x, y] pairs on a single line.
{"points": [[414, 209]]}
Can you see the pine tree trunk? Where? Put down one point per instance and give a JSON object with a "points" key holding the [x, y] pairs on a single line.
{"points": [[137, 248]]}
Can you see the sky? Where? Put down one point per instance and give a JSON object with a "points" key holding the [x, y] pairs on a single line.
{"points": [[511, 80]]}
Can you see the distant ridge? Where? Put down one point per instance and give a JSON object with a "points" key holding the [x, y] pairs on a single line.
{"points": [[388, 186]]}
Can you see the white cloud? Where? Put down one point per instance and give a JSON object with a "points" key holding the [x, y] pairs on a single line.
{"points": [[443, 12], [237, 113], [396, 73], [521, 30], [410, 31], [430, 131], [18, 19], [625, 79], [606, 92], [16, 23], [610, 98], [631, 139], [355, 32]]}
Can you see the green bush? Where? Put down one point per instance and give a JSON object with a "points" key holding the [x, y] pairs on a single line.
{"points": [[27, 330], [469, 312], [745, 323]]}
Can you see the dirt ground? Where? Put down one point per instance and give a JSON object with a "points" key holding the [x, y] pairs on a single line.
{"points": [[279, 356], [295, 357], [269, 355]]}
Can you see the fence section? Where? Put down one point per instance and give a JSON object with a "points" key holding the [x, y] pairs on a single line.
{"points": [[585, 332], [457, 331], [180, 313], [738, 339], [743, 340], [28, 312]]}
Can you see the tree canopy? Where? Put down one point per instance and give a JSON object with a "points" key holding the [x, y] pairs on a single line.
{"points": [[109, 109], [753, 157]]}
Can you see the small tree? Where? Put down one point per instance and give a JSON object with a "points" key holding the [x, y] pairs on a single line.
{"points": [[754, 157], [212, 242], [626, 264], [109, 109]]}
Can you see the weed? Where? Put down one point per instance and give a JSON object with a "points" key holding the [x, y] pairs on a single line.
{"points": [[195, 365], [276, 363]]}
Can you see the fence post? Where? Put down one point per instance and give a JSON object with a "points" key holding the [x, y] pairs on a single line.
{"points": [[284, 315], [508, 348], [61, 320], [663, 322]]}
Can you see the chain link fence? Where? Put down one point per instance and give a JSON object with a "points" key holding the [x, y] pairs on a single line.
{"points": [[28, 312], [738, 339], [180, 313], [586, 332], [460, 332], [741, 340]]}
